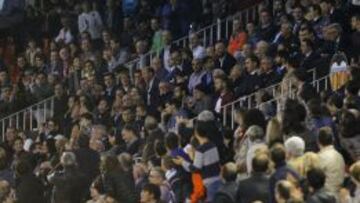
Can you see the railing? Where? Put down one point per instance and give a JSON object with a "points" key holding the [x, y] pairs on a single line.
{"points": [[208, 35], [283, 89], [30, 117]]}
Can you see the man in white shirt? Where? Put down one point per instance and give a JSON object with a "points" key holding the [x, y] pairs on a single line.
{"points": [[197, 49], [65, 35], [331, 161], [90, 21]]}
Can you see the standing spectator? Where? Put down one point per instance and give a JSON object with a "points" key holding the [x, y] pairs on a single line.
{"points": [[210, 169], [237, 39], [130, 136], [69, 184], [327, 157], [28, 187], [256, 187], [227, 192], [90, 21], [316, 179], [65, 35], [295, 147], [115, 181], [318, 21], [267, 28], [282, 171]]}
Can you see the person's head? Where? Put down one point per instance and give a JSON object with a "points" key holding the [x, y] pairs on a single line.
{"points": [[325, 137], [102, 106], [278, 155], [97, 188], [294, 146], [220, 49], [4, 190], [221, 84], [85, 45], [172, 141], [286, 29], [306, 46], [261, 49], [315, 11], [306, 33], [298, 12], [86, 7], [128, 115], [333, 31], [172, 106], [141, 47], [254, 117], [68, 159], [255, 133], [109, 163], [194, 39], [167, 163], [148, 74], [355, 173], [355, 22], [251, 63], [18, 145], [125, 161], [150, 123], [175, 58], [200, 130], [150, 193], [166, 37], [109, 80], [156, 176], [229, 172], [266, 64], [128, 133], [197, 65], [3, 159], [265, 17], [260, 163], [154, 24], [327, 6], [283, 190], [316, 178]]}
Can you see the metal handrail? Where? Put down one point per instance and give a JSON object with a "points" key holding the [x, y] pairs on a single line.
{"points": [[208, 34]]}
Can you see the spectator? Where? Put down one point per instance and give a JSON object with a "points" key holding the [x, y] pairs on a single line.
{"points": [[130, 137], [237, 39], [327, 156], [256, 187], [227, 192], [295, 147], [69, 184], [282, 171], [224, 60], [150, 194], [316, 179], [90, 21]]}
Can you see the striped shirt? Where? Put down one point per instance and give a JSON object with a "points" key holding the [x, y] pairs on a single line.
{"points": [[206, 161]]}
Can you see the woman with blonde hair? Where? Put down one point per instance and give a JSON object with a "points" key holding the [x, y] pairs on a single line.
{"points": [[273, 132]]}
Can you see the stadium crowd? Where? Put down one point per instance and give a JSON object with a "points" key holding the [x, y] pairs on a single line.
{"points": [[153, 132]]}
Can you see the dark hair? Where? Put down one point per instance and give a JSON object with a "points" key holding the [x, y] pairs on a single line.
{"points": [[260, 163], [254, 117], [253, 58], [316, 8], [83, 141], [349, 125], [131, 128], [352, 87], [309, 43], [316, 178], [294, 115], [314, 106], [278, 154], [159, 148], [300, 74], [336, 101], [325, 137], [172, 141], [152, 189], [201, 129], [229, 175], [177, 103], [22, 167], [292, 61], [283, 190]]}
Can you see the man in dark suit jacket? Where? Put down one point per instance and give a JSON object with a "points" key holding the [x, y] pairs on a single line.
{"points": [[110, 87], [310, 57], [224, 60], [152, 93], [256, 187]]}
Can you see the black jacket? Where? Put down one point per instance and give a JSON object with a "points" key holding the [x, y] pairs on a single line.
{"points": [[69, 186], [226, 193], [88, 161], [29, 189], [256, 187], [228, 63], [121, 186]]}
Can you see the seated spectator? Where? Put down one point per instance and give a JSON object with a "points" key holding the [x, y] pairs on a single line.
{"points": [[224, 60], [237, 38], [157, 177], [130, 136]]}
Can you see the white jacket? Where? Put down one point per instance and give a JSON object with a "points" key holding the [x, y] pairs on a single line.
{"points": [[90, 22]]}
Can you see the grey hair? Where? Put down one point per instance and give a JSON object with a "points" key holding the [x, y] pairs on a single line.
{"points": [[206, 116], [255, 132], [68, 159], [295, 146]]}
